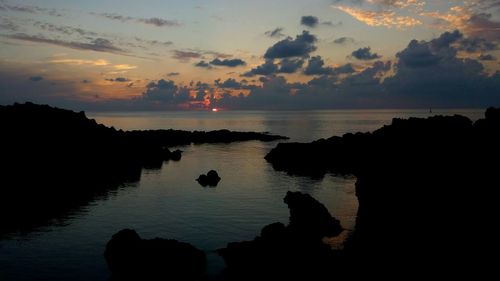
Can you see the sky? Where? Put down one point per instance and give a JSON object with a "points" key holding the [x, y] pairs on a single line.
{"points": [[111, 55]]}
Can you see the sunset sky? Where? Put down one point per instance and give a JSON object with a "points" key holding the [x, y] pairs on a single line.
{"points": [[231, 54]]}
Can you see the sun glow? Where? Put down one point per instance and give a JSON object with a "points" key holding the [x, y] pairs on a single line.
{"points": [[215, 109]]}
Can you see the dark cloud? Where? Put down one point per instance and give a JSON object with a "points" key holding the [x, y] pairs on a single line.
{"points": [[426, 74], [487, 57], [171, 74], [159, 22], [344, 40], [275, 33], [446, 39], [290, 65], [309, 21], [418, 55], [315, 66], [228, 62], [365, 54], [344, 69], [203, 64], [97, 44], [231, 83], [185, 55], [301, 46], [436, 76], [476, 44], [267, 68], [484, 26], [36, 78], [119, 79], [165, 91]]}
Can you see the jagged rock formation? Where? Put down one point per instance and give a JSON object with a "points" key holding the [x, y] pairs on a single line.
{"points": [[426, 191]]}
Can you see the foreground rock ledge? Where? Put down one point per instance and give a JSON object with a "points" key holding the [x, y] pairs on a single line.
{"points": [[293, 252], [131, 258]]}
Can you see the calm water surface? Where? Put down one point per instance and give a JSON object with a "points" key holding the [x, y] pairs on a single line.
{"points": [[169, 203]]}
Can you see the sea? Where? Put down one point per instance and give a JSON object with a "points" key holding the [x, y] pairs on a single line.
{"points": [[169, 203]]}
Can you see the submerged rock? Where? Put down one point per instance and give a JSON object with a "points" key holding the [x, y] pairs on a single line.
{"points": [[131, 258], [210, 179]]}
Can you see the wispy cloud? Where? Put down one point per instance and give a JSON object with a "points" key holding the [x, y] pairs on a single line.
{"points": [[8, 25], [185, 55], [97, 44], [344, 40], [99, 62], [67, 30], [275, 33], [158, 22], [124, 67], [31, 9], [188, 54], [398, 3]]}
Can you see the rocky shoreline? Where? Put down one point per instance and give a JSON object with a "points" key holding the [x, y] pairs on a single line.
{"points": [[54, 161]]}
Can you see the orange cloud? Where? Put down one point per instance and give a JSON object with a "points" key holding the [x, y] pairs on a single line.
{"points": [[124, 66], [99, 62], [380, 18]]}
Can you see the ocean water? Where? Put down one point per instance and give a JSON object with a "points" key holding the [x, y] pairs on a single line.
{"points": [[169, 203]]}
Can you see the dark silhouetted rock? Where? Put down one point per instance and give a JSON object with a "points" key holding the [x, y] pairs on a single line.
{"points": [[309, 217], [426, 190], [176, 155], [131, 258], [210, 179], [294, 252]]}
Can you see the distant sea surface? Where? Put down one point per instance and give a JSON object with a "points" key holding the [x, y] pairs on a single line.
{"points": [[169, 203]]}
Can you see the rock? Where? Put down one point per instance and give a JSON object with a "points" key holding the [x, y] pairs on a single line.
{"points": [[176, 155], [210, 179], [422, 186], [310, 217], [294, 252], [131, 258]]}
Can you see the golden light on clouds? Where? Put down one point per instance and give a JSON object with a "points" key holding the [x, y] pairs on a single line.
{"points": [[124, 66], [380, 18], [99, 62]]}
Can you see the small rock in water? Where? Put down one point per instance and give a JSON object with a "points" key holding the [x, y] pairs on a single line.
{"points": [[210, 179]]}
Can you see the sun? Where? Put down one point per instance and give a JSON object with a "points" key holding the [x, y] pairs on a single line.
{"points": [[215, 109]]}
